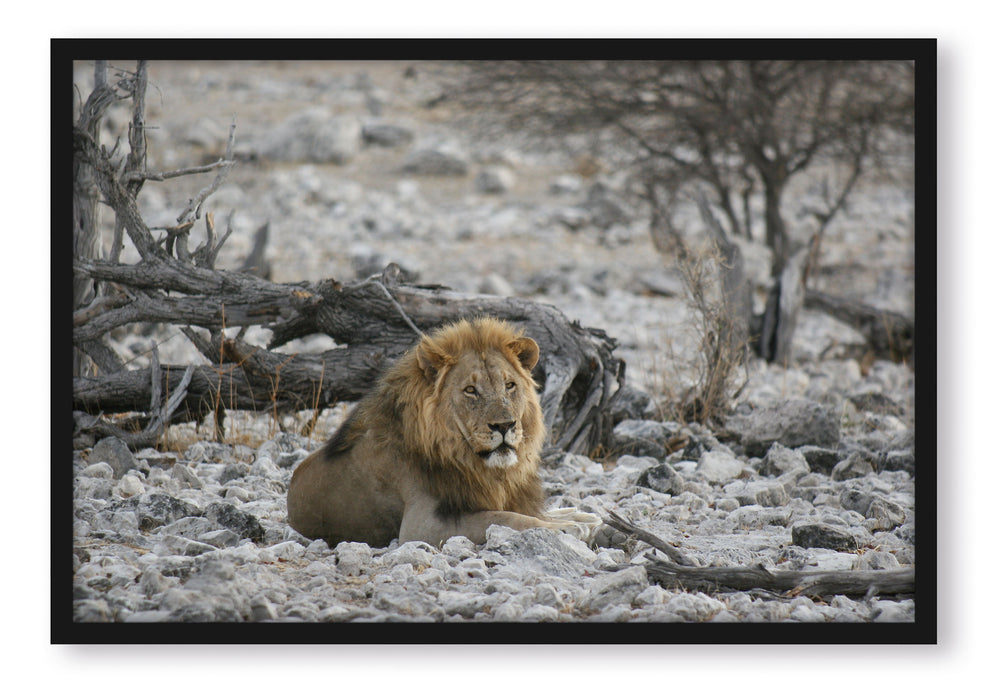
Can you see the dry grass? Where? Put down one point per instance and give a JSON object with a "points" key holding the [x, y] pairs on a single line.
{"points": [[717, 373]]}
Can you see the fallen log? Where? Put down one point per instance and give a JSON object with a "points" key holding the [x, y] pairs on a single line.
{"points": [[889, 335], [808, 582], [373, 322]]}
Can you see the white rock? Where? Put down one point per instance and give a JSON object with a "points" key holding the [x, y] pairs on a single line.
{"points": [[100, 470], [128, 486], [719, 467]]}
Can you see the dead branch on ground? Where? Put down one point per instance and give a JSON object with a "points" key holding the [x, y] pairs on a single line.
{"points": [[808, 582]]}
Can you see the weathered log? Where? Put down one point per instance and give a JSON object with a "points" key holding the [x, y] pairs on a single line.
{"points": [[376, 319], [808, 582], [709, 579], [889, 335]]}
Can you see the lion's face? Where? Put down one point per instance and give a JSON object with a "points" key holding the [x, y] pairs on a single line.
{"points": [[486, 406], [485, 401]]}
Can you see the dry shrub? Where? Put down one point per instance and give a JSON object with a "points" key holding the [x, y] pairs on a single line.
{"points": [[722, 339]]}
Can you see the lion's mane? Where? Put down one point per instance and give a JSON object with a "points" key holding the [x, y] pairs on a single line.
{"points": [[409, 407]]}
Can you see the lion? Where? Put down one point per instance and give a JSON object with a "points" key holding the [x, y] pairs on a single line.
{"points": [[448, 443]]}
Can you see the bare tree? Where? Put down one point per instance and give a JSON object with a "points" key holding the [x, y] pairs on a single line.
{"points": [[738, 131]]}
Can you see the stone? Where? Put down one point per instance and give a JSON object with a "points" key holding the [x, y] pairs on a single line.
{"points": [[443, 161], [875, 402], [873, 559], [414, 553], [98, 470], [822, 536], [883, 514], [114, 452], [631, 403], [353, 558], [790, 422], [233, 471], [175, 544], [192, 527], [820, 459], [605, 208], [893, 610], [497, 285], [386, 135], [227, 516], [898, 460], [542, 551], [662, 478], [129, 485], [855, 466], [183, 474], [780, 460], [566, 185], [467, 605], [661, 283], [619, 588], [537, 613], [313, 136], [727, 504], [641, 438], [157, 509], [241, 494], [261, 609], [494, 180], [627, 471], [771, 495], [855, 500], [220, 538], [694, 607], [719, 467]]}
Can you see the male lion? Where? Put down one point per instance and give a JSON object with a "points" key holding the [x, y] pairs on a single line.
{"points": [[447, 444]]}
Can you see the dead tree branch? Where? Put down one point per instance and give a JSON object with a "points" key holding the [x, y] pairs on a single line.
{"points": [[681, 573]]}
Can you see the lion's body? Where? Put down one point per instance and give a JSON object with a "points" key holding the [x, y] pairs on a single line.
{"points": [[447, 444]]}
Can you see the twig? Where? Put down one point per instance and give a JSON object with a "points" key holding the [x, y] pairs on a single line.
{"points": [[390, 276], [169, 174], [192, 211], [623, 525], [160, 411]]}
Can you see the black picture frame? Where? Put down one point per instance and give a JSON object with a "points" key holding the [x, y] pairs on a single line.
{"points": [[922, 631]]}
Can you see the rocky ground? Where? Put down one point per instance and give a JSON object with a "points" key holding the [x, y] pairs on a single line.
{"points": [[814, 469]]}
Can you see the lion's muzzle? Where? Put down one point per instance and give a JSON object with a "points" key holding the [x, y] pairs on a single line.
{"points": [[502, 450]]}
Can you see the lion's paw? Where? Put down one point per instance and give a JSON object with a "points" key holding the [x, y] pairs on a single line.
{"points": [[582, 525]]}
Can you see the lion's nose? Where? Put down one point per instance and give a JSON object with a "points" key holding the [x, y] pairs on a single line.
{"points": [[503, 427]]}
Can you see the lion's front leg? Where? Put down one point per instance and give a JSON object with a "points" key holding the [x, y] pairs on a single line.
{"points": [[432, 528], [421, 523]]}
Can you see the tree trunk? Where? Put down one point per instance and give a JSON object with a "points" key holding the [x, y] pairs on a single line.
{"points": [[776, 230], [782, 309], [85, 201]]}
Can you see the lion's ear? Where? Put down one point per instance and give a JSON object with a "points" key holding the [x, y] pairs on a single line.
{"points": [[527, 351], [431, 359]]}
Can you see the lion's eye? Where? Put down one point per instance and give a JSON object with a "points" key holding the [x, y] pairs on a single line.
{"points": [[470, 391], [509, 386]]}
